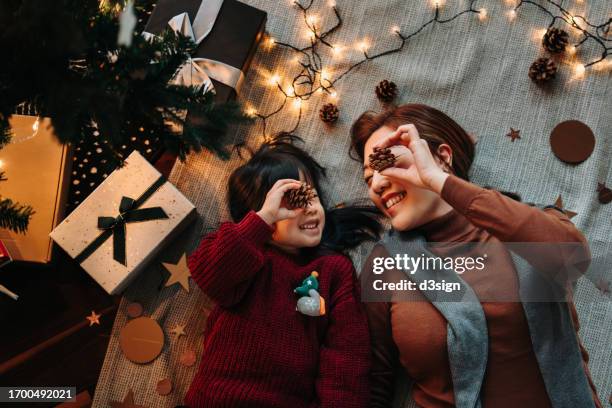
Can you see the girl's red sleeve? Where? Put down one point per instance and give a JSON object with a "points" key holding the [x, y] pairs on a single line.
{"points": [[344, 359], [226, 260]]}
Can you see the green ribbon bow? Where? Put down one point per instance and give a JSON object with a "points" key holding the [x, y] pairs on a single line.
{"points": [[129, 211]]}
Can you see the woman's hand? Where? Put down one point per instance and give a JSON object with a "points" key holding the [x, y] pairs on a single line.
{"points": [[422, 171], [271, 210]]}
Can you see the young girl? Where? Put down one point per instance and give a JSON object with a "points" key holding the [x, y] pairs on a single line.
{"points": [[259, 350]]}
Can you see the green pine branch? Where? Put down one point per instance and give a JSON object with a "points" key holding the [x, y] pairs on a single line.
{"points": [[14, 216], [93, 90]]}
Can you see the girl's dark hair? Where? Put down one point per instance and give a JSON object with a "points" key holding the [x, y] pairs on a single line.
{"points": [[433, 125], [345, 227]]}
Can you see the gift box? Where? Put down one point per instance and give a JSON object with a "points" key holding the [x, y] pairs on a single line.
{"points": [[236, 29], [124, 223], [37, 168]]}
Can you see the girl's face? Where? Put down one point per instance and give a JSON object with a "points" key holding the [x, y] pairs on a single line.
{"points": [[303, 231], [407, 206]]}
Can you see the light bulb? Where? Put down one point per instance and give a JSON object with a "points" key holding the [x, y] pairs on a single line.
{"points": [[579, 70], [482, 14], [395, 29], [274, 80], [512, 15], [297, 103], [571, 50]]}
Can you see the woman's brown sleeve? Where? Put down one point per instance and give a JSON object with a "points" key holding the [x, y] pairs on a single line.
{"points": [[560, 246]]}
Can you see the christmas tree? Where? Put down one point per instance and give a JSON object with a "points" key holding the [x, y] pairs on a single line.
{"points": [[62, 60]]}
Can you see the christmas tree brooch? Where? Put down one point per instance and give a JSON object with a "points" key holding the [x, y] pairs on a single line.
{"points": [[310, 302]]}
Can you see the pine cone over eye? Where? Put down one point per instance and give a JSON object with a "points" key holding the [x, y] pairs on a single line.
{"points": [[300, 197], [382, 158]]}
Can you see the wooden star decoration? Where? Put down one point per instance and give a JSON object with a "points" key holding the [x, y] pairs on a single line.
{"points": [[559, 203], [514, 134], [179, 330], [93, 318], [128, 402], [603, 286], [179, 273]]}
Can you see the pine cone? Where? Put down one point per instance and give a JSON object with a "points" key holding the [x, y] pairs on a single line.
{"points": [[555, 40], [300, 197], [329, 113], [542, 70], [386, 91], [382, 158]]}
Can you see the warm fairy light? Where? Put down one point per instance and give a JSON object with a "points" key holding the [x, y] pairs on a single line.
{"points": [[579, 70], [337, 50], [297, 103], [310, 35], [363, 45], [271, 41], [250, 111], [312, 20], [290, 91], [35, 125], [295, 60], [437, 3], [1, 163], [331, 3], [333, 95], [512, 15], [571, 50], [274, 80], [482, 14], [539, 34], [510, 2], [395, 29]]}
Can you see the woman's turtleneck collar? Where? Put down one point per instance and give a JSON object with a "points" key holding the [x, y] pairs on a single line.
{"points": [[450, 227]]}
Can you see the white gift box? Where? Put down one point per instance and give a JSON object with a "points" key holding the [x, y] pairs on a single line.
{"points": [[152, 212]]}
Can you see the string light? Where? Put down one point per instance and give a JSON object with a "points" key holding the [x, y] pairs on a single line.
{"points": [[589, 32], [482, 14], [512, 15], [579, 70], [315, 77], [271, 41], [571, 49], [274, 80]]}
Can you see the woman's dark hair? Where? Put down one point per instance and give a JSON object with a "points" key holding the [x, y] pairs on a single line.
{"points": [[433, 125], [345, 227]]}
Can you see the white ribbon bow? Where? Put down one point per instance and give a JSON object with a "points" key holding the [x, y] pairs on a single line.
{"points": [[199, 71]]}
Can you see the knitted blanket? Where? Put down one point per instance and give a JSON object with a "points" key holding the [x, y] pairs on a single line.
{"points": [[474, 70]]}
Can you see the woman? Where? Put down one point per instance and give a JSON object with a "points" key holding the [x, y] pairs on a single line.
{"points": [[469, 354]]}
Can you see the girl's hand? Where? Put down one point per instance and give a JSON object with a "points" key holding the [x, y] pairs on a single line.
{"points": [[272, 211], [423, 171]]}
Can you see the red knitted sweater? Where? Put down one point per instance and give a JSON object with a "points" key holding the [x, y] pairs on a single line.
{"points": [[258, 350]]}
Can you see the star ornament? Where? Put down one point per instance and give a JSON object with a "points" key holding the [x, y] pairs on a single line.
{"points": [[559, 203], [93, 318], [179, 330], [127, 23], [179, 273], [514, 134], [128, 402]]}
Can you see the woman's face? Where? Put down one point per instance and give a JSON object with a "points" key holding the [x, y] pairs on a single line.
{"points": [[407, 206]]}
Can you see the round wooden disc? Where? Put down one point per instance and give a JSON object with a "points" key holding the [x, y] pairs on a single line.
{"points": [[164, 387], [572, 141], [134, 309], [188, 358], [141, 340]]}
